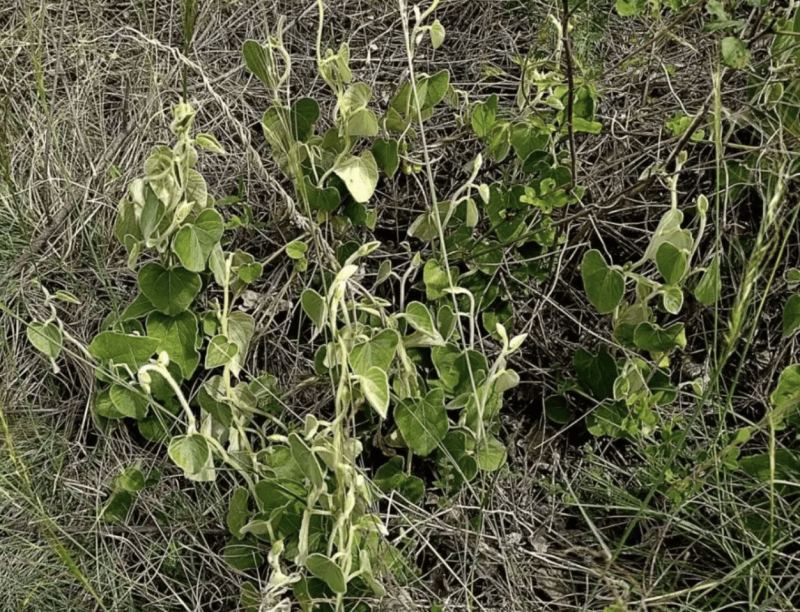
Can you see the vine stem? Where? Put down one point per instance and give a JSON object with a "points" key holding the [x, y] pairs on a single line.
{"points": [[160, 369], [570, 92]]}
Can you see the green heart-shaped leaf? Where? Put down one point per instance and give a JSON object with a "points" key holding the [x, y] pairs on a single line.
{"points": [[303, 115], [128, 402], [604, 286], [791, 315], [435, 278], [46, 337], [326, 200], [191, 453], [423, 421], [650, 337], [362, 122], [193, 243], [386, 156], [435, 88], [708, 289], [170, 290], [375, 387], [672, 263], [391, 476], [596, 373], [220, 352], [378, 352], [314, 306], [360, 175], [483, 116], [326, 570], [123, 349], [491, 454], [178, 337]]}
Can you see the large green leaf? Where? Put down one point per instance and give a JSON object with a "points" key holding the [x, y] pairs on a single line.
{"points": [[651, 337], [326, 200], [306, 460], [391, 476], [303, 115], [362, 122], [359, 174], [128, 402], [241, 328], [491, 454], [786, 396], [385, 153], [378, 352], [257, 60], [191, 453], [46, 337], [237, 512], [596, 372], [604, 286], [419, 317], [423, 421], [220, 352], [326, 570], [355, 97], [178, 336], [375, 387], [193, 243], [170, 290], [708, 289], [672, 263], [791, 315], [483, 116], [314, 306], [435, 89], [123, 349]]}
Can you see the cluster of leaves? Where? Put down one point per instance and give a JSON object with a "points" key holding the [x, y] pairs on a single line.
{"points": [[628, 390], [444, 398], [125, 488], [508, 231], [333, 183]]}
